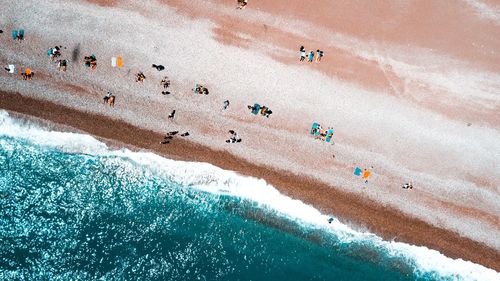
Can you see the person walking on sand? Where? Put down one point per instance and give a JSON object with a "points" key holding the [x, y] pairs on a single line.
{"points": [[302, 53], [319, 55], [226, 104], [310, 57]]}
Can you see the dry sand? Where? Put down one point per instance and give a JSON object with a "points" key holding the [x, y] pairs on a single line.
{"points": [[399, 83]]}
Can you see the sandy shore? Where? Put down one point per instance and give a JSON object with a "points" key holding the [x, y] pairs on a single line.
{"points": [[411, 89], [358, 212]]}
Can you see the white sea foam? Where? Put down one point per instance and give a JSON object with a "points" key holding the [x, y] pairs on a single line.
{"points": [[206, 177], [484, 10]]}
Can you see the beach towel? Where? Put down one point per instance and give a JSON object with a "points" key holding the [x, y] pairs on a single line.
{"points": [[49, 52], [119, 62], [329, 135], [14, 34], [366, 174], [314, 129], [113, 62], [357, 171], [12, 68], [28, 71], [256, 108]]}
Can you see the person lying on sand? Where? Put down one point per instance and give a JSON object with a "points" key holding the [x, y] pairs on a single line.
{"points": [[241, 4], [158, 67], [265, 111], [140, 77], [172, 114], [407, 185], [185, 134], [165, 93], [173, 133], [109, 98]]}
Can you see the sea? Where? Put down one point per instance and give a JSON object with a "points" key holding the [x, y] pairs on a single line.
{"points": [[72, 208]]}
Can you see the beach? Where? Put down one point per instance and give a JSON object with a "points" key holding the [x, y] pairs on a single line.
{"points": [[407, 116]]}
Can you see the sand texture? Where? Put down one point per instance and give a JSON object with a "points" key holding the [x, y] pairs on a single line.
{"points": [[411, 89]]}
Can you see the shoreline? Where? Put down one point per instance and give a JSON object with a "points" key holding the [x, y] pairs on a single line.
{"points": [[349, 208]]}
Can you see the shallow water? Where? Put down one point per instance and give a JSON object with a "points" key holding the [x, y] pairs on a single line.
{"points": [[68, 214]]}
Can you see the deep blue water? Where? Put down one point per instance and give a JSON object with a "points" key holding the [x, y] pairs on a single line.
{"points": [[67, 216]]}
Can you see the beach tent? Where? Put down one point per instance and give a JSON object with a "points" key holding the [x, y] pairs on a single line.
{"points": [[14, 34], [113, 62], [12, 68]]}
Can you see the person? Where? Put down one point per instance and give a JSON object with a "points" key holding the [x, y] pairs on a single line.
{"points": [[140, 77], [265, 111], [226, 104], [185, 134], [1, 31], [302, 53], [318, 55], [56, 52], [241, 4], [330, 220], [158, 67], [172, 133], [172, 114], [407, 185], [165, 93], [311, 56], [107, 96]]}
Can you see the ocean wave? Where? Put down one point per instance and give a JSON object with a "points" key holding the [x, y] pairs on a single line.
{"points": [[426, 263]]}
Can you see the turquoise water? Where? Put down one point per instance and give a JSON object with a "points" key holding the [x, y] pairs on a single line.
{"points": [[75, 216]]}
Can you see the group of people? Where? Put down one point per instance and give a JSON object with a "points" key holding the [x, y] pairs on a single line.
{"points": [[234, 137], [54, 53], [91, 61], [27, 74], [263, 110], [320, 132], [140, 77], [170, 136], [310, 56], [165, 83], [200, 89]]}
